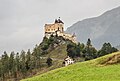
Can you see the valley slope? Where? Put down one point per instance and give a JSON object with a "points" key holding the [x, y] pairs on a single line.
{"points": [[104, 68]]}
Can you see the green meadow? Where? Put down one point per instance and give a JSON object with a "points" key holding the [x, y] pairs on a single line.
{"points": [[106, 68]]}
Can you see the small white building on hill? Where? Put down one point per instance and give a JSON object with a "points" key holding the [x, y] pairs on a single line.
{"points": [[68, 61]]}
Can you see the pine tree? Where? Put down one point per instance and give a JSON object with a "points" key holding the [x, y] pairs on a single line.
{"points": [[17, 61], [22, 63], [5, 65], [28, 60], [12, 63], [49, 62], [89, 52], [106, 49], [89, 42], [36, 56]]}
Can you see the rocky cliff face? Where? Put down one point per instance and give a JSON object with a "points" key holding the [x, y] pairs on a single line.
{"points": [[104, 28]]}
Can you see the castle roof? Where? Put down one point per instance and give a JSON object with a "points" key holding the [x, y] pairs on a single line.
{"points": [[58, 21]]}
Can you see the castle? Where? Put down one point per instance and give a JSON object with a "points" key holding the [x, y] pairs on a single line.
{"points": [[57, 28]]}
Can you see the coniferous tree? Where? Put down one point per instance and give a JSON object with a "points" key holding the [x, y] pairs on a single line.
{"points": [[28, 60], [36, 56], [5, 65], [17, 61], [89, 42], [89, 51], [106, 49], [12, 63], [23, 63], [0, 71], [78, 50], [71, 50], [49, 61]]}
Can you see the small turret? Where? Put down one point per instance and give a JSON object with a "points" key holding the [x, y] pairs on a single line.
{"points": [[74, 35], [58, 21]]}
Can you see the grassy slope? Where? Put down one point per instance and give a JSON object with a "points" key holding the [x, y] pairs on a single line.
{"points": [[84, 71], [58, 54]]}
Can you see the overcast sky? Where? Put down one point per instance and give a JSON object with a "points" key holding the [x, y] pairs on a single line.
{"points": [[22, 21]]}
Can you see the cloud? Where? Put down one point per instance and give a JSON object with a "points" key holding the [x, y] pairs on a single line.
{"points": [[25, 38], [22, 21]]}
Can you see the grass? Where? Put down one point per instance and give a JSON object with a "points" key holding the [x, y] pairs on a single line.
{"points": [[59, 52], [85, 71], [58, 55]]}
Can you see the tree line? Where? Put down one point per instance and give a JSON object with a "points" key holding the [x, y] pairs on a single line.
{"points": [[88, 51], [23, 64], [19, 65]]}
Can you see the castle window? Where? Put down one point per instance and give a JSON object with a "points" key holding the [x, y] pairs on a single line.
{"points": [[62, 29], [61, 25], [48, 29]]}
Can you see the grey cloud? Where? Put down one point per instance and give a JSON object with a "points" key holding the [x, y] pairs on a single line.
{"points": [[22, 21]]}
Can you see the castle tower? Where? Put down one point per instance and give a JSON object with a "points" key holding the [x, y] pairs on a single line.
{"points": [[57, 28], [51, 29]]}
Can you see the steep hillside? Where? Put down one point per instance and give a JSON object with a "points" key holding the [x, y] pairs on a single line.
{"points": [[104, 68], [57, 55], [104, 28], [54, 48]]}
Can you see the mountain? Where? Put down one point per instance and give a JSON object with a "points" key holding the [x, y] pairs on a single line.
{"points": [[100, 69], [118, 47], [104, 28]]}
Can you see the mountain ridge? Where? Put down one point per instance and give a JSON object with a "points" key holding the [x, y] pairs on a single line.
{"points": [[100, 29]]}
